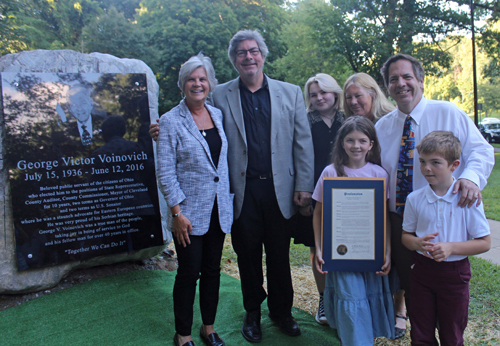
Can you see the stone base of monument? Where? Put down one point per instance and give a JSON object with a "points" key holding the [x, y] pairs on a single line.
{"points": [[12, 280]]}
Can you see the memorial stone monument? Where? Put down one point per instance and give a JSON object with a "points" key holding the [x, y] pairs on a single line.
{"points": [[78, 187]]}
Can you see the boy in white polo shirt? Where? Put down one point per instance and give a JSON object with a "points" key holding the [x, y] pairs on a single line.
{"points": [[443, 235]]}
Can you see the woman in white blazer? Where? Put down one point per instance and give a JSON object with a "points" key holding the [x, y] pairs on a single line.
{"points": [[193, 176]]}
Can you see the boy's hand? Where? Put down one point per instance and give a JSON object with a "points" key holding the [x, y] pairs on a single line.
{"points": [[318, 261], [424, 245], [441, 251]]}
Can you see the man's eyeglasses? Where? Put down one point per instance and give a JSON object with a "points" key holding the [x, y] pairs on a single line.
{"points": [[243, 53]]}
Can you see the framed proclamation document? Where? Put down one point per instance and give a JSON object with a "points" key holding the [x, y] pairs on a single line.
{"points": [[353, 224]]}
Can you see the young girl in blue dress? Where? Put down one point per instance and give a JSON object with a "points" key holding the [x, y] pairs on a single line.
{"points": [[358, 304]]}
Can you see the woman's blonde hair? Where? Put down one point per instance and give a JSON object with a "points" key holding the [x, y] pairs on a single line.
{"points": [[326, 83], [380, 105]]}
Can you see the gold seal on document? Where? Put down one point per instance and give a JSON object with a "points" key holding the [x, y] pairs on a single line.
{"points": [[341, 249]]}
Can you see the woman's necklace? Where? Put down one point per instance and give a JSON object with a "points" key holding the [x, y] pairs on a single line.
{"points": [[203, 126]]}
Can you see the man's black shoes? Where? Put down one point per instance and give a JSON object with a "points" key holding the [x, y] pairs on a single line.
{"points": [[251, 326], [286, 324]]}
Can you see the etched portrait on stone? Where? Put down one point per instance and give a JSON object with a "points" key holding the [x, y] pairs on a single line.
{"points": [[79, 106], [81, 165]]}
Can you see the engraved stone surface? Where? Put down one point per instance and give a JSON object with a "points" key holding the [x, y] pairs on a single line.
{"points": [[59, 61]]}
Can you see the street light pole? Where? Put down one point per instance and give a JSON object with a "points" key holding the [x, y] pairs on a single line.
{"points": [[474, 61]]}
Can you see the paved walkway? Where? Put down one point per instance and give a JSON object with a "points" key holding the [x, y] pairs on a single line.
{"points": [[494, 254]]}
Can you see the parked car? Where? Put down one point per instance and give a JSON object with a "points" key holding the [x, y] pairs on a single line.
{"points": [[490, 131], [490, 120]]}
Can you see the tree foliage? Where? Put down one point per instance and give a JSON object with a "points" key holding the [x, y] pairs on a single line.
{"points": [[54, 24], [490, 43], [112, 33], [184, 28], [338, 37], [367, 32], [455, 83], [129, 8], [60, 24], [10, 32], [163, 33], [303, 58]]}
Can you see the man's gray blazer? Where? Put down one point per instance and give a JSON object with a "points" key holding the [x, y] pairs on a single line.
{"points": [[292, 152]]}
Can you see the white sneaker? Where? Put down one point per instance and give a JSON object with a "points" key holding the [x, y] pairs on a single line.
{"points": [[320, 315]]}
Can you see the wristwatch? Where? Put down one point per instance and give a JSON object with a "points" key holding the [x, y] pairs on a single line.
{"points": [[177, 215]]}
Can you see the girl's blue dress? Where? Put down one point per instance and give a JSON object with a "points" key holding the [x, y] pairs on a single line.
{"points": [[360, 306]]}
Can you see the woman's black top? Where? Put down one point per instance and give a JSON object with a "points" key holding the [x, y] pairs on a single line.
{"points": [[214, 143], [323, 140]]}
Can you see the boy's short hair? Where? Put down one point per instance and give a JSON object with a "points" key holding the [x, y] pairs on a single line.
{"points": [[443, 143]]}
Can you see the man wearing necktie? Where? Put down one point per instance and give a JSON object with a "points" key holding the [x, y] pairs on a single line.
{"points": [[403, 128], [80, 106]]}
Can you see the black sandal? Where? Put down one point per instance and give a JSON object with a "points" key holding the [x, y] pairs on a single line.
{"points": [[399, 333]]}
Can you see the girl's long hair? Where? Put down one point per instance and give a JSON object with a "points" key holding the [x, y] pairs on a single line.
{"points": [[363, 125]]}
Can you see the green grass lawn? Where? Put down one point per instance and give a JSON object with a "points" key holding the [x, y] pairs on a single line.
{"points": [[491, 193], [484, 306], [485, 281], [299, 254]]}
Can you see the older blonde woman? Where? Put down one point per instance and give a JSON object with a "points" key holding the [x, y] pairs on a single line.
{"points": [[363, 96], [193, 176]]}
